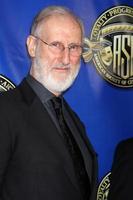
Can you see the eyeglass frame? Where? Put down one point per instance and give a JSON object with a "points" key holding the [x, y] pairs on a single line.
{"points": [[63, 47]]}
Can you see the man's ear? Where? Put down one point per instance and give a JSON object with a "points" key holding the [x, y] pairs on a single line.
{"points": [[31, 45]]}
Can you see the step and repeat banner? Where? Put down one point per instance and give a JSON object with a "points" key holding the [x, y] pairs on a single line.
{"points": [[102, 95]]}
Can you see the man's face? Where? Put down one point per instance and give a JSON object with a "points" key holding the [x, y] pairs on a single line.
{"points": [[56, 71]]}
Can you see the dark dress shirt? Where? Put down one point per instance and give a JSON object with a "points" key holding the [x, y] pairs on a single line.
{"points": [[45, 97]]}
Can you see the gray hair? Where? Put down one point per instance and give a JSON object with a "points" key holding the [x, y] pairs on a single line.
{"points": [[50, 11]]}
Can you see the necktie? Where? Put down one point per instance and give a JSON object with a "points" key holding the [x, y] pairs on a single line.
{"points": [[73, 149]]}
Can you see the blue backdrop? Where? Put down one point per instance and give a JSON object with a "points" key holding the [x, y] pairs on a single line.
{"points": [[105, 109]]}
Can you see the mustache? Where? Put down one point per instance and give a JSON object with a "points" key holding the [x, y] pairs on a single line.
{"points": [[61, 65]]}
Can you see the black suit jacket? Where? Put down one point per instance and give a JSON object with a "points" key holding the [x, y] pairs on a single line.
{"points": [[121, 187], [34, 162]]}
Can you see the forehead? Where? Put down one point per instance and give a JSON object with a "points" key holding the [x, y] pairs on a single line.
{"points": [[61, 24]]}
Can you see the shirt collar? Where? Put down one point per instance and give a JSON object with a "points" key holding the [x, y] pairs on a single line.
{"points": [[43, 93]]}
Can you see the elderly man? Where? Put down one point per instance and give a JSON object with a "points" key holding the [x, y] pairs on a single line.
{"points": [[44, 151]]}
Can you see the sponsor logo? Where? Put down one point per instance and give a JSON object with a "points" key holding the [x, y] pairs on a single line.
{"points": [[111, 46], [103, 188], [5, 84]]}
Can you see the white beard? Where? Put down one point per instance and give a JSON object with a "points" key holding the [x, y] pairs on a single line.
{"points": [[44, 75]]}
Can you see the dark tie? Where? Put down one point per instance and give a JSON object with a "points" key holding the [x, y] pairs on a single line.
{"points": [[78, 162]]}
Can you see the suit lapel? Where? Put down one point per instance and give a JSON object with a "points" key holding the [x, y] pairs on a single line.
{"points": [[92, 153], [83, 143]]}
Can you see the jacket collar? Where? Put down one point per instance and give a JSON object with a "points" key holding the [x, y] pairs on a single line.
{"points": [[27, 92]]}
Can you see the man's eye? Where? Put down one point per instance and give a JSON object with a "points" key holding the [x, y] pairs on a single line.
{"points": [[56, 44], [74, 47]]}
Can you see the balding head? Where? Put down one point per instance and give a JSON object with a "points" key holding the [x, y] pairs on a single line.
{"points": [[52, 11]]}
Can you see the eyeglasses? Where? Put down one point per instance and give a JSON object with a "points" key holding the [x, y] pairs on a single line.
{"points": [[57, 47]]}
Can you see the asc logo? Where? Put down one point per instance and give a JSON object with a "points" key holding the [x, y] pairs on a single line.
{"points": [[111, 46], [103, 189], [5, 84]]}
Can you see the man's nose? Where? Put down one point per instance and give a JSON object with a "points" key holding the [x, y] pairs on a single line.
{"points": [[66, 56]]}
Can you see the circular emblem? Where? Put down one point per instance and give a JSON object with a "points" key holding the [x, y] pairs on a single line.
{"points": [[103, 189], [5, 84], [111, 46]]}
